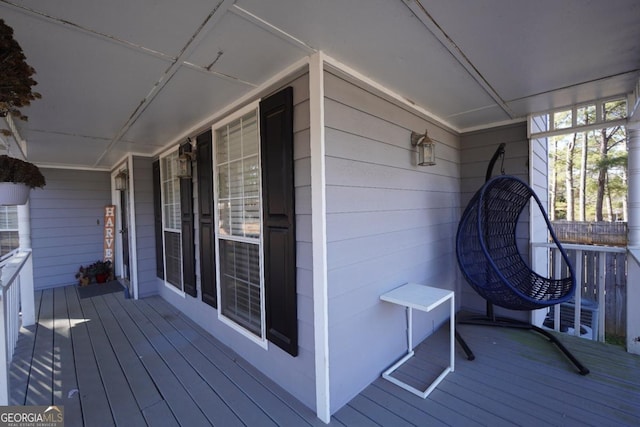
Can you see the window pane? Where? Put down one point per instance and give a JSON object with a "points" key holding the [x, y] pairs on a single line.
{"points": [[240, 287], [562, 119], [235, 179], [235, 140], [250, 135], [586, 115], [224, 217], [252, 217], [239, 207], [171, 192], [237, 217], [223, 181], [172, 220], [222, 145], [614, 110], [8, 241], [173, 258], [540, 123], [8, 218], [251, 177]]}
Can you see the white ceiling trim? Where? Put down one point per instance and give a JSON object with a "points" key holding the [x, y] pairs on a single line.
{"points": [[251, 96], [80, 28], [223, 76], [388, 93], [272, 29], [427, 20], [209, 22]]}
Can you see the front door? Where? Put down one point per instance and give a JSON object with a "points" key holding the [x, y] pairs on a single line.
{"points": [[124, 231]]}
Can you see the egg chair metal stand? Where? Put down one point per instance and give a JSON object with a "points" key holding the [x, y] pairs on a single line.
{"points": [[489, 258]]}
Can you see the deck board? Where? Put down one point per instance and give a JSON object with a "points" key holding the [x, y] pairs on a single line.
{"points": [[65, 384], [22, 358], [119, 394], [181, 405], [233, 379], [40, 382], [145, 363], [142, 385], [275, 411], [93, 397], [210, 346]]}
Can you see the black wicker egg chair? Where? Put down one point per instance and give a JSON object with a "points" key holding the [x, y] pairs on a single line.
{"points": [[488, 256]]}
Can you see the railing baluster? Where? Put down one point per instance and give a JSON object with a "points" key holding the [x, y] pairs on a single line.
{"points": [[4, 350], [602, 265], [590, 266], [578, 295], [15, 273], [557, 273]]}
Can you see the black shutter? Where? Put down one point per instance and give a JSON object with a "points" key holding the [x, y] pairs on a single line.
{"points": [[276, 139], [157, 216], [205, 218], [188, 251]]}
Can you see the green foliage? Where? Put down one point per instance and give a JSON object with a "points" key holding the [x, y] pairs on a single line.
{"points": [[614, 163], [16, 81], [87, 274]]}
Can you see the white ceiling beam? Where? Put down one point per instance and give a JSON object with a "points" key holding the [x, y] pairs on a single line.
{"points": [[272, 29], [86, 30], [429, 22], [209, 22]]}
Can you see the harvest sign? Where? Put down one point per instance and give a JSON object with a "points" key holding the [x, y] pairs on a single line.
{"points": [[109, 231]]}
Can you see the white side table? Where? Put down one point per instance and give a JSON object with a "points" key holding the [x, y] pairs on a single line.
{"points": [[424, 298]]}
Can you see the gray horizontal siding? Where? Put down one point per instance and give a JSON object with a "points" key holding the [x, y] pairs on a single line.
{"points": [[296, 375], [67, 224], [478, 147], [388, 222], [144, 232]]}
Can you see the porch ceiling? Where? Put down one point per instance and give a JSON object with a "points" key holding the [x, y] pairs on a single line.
{"points": [[121, 76]]}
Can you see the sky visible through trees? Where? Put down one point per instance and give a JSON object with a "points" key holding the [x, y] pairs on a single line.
{"points": [[588, 170]]}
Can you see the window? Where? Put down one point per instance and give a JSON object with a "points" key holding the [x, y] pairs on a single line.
{"points": [[8, 229], [171, 220], [246, 220], [598, 114], [238, 216]]}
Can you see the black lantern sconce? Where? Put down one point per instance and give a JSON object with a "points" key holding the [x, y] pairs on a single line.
{"points": [[121, 180], [185, 158], [425, 148]]}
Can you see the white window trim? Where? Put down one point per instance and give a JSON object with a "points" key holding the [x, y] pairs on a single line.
{"points": [[262, 339], [600, 122], [168, 284]]}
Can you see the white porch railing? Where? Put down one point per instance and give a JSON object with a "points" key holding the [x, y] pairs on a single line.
{"points": [[600, 273], [16, 291]]}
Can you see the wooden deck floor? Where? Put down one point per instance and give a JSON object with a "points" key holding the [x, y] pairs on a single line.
{"points": [[112, 361]]}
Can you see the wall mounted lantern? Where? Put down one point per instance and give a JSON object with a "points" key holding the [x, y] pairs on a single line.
{"points": [[185, 157], [121, 180], [425, 148]]}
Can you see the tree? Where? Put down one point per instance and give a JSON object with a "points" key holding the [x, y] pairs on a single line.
{"points": [[609, 138], [15, 81], [587, 173]]}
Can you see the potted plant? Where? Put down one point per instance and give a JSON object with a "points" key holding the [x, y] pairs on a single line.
{"points": [[17, 178], [16, 88], [83, 276], [98, 272], [102, 271]]}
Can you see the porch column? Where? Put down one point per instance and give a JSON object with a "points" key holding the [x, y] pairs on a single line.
{"points": [[633, 222], [24, 226]]}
